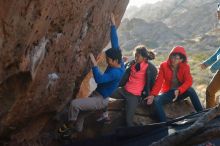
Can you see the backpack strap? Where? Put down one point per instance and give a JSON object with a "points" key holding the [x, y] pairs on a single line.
{"points": [[127, 73], [151, 74]]}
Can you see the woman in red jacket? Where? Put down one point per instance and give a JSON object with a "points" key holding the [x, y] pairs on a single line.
{"points": [[173, 82]]}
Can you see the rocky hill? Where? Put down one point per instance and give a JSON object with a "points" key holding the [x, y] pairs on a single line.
{"points": [[153, 34], [168, 22]]}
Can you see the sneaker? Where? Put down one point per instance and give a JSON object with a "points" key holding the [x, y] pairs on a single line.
{"points": [[104, 118], [69, 134], [63, 129]]}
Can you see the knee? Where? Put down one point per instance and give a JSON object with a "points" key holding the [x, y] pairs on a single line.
{"points": [[74, 103], [156, 101], [191, 90]]}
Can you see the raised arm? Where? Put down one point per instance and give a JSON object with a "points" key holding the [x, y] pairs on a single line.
{"points": [[212, 59], [113, 33], [215, 67]]}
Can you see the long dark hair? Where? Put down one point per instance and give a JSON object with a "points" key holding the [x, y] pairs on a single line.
{"points": [[144, 52]]}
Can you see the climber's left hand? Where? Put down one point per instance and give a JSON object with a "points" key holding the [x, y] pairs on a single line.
{"points": [[93, 59]]}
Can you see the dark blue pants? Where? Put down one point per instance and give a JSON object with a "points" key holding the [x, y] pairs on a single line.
{"points": [[168, 97]]}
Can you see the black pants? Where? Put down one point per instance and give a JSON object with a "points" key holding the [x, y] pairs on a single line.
{"points": [[131, 103]]}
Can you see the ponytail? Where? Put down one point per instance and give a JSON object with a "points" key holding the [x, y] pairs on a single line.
{"points": [[144, 52]]}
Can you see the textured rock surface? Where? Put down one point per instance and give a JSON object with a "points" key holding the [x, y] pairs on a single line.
{"points": [[42, 37]]}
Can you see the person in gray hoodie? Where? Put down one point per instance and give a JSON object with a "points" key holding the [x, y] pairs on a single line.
{"points": [[214, 86]]}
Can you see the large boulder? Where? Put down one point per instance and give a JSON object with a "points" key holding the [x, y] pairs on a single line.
{"points": [[41, 39]]}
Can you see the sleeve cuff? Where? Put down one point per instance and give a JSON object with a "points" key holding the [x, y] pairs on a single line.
{"points": [[213, 70], [180, 90], [95, 69], [206, 63], [113, 26]]}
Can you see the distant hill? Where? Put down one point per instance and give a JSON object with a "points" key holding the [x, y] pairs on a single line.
{"points": [[170, 22]]}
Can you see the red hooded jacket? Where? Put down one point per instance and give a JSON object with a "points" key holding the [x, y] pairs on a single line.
{"points": [[164, 77]]}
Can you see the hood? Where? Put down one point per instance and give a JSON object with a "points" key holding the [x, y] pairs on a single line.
{"points": [[178, 49]]}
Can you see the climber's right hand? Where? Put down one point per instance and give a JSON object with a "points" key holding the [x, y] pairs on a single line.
{"points": [[93, 59], [112, 19]]}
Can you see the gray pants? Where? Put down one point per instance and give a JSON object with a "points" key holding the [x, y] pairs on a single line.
{"points": [[131, 103], [94, 102]]}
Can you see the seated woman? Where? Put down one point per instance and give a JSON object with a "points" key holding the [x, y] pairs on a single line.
{"points": [[137, 81], [107, 82], [174, 82]]}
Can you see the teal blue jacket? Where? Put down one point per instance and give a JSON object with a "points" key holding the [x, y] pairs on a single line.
{"points": [[214, 61]]}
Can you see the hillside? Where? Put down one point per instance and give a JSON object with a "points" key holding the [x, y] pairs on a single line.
{"points": [[170, 22]]}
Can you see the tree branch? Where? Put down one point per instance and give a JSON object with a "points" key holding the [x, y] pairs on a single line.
{"points": [[181, 136]]}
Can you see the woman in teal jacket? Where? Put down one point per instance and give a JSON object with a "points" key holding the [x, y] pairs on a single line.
{"points": [[214, 85]]}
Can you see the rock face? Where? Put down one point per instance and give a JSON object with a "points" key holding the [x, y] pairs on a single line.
{"points": [[38, 38]]}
